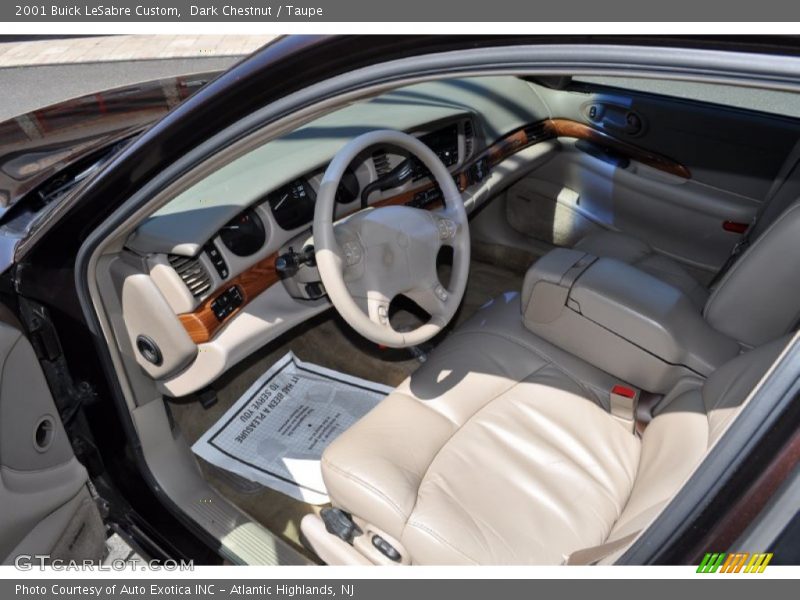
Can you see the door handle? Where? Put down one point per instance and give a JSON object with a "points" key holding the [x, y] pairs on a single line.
{"points": [[615, 118]]}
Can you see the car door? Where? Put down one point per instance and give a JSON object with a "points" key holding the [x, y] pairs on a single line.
{"points": [[684, 175], [45, 504]]}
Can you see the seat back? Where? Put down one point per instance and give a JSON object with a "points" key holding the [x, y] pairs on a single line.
{"points": [[758, 298], [689, 421], [786, 192]]}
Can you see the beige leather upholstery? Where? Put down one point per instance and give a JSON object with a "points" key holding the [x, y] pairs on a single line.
{"points": [[757, 299], [501, 449], [635, 252]]}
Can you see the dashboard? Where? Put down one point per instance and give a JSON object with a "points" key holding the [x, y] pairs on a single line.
{"points": [[284, 215]]}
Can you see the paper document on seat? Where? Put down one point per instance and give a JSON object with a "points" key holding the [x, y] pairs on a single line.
{"points": [[276, 432]]}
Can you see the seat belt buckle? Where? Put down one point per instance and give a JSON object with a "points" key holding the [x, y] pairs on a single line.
{"points": [[735, 226], [623, 399]]}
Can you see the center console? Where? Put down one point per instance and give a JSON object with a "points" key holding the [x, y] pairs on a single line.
{"points": [[621, 319]]}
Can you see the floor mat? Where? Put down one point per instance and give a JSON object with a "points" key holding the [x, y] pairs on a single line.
{"points": [[276, 432]]}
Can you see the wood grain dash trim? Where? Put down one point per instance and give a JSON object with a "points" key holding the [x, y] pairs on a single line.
{"points": [[582, 131], [202, 324]]}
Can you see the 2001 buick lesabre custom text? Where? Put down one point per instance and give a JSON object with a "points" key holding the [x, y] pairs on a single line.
{"points": [[101, 10]]}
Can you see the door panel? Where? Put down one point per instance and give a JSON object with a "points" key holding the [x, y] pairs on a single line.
{"points": [[46, 506], [731, 155], [680, 217]]}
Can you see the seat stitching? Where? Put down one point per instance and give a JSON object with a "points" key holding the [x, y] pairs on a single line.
{"points": [[417, 524], [599, 483], [547, 363], [428, 408], [432, 533], [585, 387], [628, 499], [471, 417], [450, 437], [369, 486]]}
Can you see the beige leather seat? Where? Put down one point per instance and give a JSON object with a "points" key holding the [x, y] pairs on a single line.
{"points": [[501, 450]]}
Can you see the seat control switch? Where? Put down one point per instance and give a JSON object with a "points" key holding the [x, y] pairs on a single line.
{"points": [[385, 548], [339, 523]]}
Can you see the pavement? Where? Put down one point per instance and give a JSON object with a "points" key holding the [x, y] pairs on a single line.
{"points": [[119, 553], [40, 72]]}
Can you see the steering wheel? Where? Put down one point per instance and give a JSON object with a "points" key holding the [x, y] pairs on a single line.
{"points": [[370, 257]]}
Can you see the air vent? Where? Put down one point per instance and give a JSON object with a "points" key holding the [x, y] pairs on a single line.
{"points": [[537, 132], [381, 162], [192, 272], [469, 138]]}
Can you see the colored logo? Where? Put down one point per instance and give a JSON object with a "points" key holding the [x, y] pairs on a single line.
{"points": [[735, 562]]}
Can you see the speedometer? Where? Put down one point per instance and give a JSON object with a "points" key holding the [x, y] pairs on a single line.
{"points": [[293, 204], [245, 234]]}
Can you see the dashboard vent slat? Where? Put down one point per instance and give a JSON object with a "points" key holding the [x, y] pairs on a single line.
{"points": [[192, 272], [381, 162], [469, 136]]}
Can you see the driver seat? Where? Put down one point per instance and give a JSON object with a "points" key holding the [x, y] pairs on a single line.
{"points": [[501, 449]]}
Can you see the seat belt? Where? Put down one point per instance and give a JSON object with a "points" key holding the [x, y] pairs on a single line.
{"points": [[783, 174], [644, 410], [594, 554]]}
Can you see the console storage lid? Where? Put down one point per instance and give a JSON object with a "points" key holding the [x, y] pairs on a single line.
{"points": [[651, 314], [621, 319]]}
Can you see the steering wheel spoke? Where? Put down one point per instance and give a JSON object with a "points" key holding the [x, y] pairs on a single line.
{"points": [[378, 309], [432, 298]]}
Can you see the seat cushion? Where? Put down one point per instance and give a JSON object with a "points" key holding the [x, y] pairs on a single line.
{"points": [[536, 474], [499, 450], [635, 252]]}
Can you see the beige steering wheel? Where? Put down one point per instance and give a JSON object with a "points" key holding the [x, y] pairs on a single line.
{"points": [[367, 259]]}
